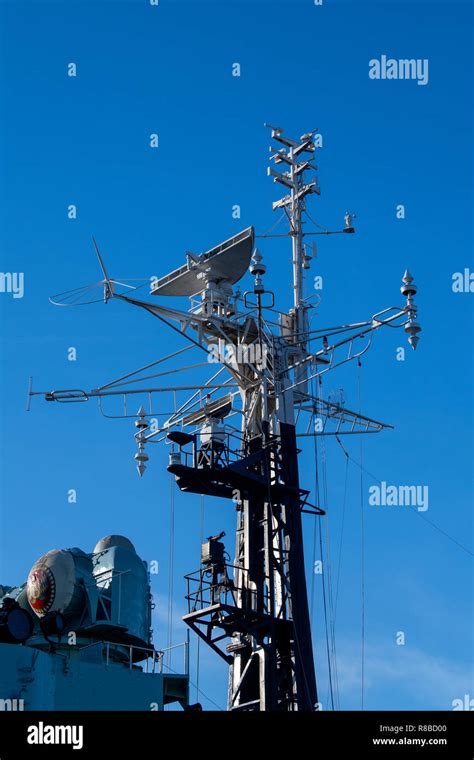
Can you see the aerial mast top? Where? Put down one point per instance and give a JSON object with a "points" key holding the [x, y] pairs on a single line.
{"points": [[295, 154]]}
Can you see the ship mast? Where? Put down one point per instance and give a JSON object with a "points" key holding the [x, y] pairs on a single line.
{"points": [[295, 156], [256, 601]]}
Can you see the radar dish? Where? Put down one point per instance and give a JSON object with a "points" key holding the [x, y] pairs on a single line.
{"points": [[228, 261]]}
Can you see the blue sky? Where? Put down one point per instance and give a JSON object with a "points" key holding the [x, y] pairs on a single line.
{"points": [[85, 141]]}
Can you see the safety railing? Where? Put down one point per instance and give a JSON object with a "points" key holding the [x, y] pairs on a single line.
{"points": [[206, 587], [151, 660]]}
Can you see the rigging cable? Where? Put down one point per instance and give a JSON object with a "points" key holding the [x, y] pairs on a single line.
{"points": [[222, 709], [329, 579], [412, 508], [171, 568], [317, 501], [321, 550], [272, 227], [344, 501], [201, 538], [328, 575], [362, 550]]}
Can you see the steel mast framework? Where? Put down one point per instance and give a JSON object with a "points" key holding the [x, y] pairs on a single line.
{"points": [[258, 603]]}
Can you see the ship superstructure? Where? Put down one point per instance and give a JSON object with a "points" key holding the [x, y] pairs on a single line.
{"points": [[77, 635]]}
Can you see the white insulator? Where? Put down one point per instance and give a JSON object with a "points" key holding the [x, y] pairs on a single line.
{"points": [[175, 457], [412, 328]]}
